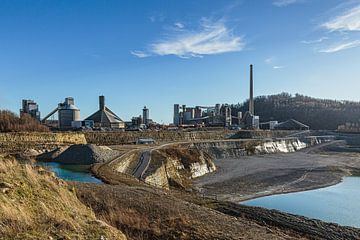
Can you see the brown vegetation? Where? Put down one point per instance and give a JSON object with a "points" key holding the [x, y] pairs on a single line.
{"points": [[10, 122], [144, 212]]}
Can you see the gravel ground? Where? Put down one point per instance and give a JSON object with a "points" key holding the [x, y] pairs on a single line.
{"points": [[86, 154], [254, 176]]}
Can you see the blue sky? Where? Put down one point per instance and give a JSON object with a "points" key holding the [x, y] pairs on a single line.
{"points": [[157, 53]]}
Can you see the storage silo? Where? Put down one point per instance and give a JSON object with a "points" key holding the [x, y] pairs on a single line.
{"points": [[68, 113]]}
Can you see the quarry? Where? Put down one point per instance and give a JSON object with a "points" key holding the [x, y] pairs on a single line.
{"points": [[186, 186]]}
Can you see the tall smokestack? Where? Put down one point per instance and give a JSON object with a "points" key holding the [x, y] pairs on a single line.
{"points": [[251, 101], [102, 102]]}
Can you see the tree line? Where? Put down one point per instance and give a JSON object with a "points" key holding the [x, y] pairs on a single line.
{"points": [[314, 112]]}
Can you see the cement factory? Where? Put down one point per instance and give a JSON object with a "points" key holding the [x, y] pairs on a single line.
{"points": [[219, 115]]}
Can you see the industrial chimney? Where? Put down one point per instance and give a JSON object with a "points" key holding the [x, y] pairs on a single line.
{"points": [[102, 102], [251, 101]]}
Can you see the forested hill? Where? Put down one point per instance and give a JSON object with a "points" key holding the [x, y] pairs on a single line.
{"points": [[317, 113]]}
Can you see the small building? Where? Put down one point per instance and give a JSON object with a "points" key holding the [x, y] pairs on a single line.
{"points": [[87, 124], [251, 121], [145, 141], [291, 124], [268, 125]]}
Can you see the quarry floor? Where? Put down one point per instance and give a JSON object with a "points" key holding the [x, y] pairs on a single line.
{"points": [[248, 177]]}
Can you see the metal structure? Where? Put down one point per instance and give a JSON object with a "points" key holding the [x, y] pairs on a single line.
{"points": [[145, 117], [67, 113], [251, 100], [176, 114], [30, 107]]}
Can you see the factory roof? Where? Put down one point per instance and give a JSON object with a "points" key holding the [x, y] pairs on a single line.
{"points": [[105, 115], [292, 124]]}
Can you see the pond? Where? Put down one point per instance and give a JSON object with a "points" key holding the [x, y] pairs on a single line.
{"points": [[79, 173], [338, 204]]}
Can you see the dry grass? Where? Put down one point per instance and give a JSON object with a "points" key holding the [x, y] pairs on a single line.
{"points": [[148, 213], [36, 205]]}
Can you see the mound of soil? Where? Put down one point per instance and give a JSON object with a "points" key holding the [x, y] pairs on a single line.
{"points": [[85, 154]]}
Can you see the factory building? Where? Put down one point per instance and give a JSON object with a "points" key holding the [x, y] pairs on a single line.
{"points": [[67, 113], [291, 124], [145, 118], [268, 125], [218, 115], [30, 107], [176, 115], [105, 118]]}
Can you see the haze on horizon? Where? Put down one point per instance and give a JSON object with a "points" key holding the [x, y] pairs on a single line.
{"points": [[157, 53]]}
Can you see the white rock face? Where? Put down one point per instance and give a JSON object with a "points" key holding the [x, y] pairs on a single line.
{"points": [[283, 146], [199, 169]]}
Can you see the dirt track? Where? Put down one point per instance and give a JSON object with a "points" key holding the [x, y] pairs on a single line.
{"points": [[253, 176]]}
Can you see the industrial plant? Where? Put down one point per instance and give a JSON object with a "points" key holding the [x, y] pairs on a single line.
{"points": [[30, 107], [67, 114], [218, 115]]}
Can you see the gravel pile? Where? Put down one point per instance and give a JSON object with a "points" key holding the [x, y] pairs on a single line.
{"points": [[84, 154]]}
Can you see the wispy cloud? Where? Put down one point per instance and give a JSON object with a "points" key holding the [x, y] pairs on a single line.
{"points": [[157, 17], [278, 67], [341, 46], [139, 54], [269, 60], [179, 25], [347, 21], [272, 62], [284, 3], [210, 38], [345, 24], [319, 40]]}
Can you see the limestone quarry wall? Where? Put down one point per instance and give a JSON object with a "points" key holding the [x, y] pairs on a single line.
{"points": [[248, 134], [238, 148], [18, 142], [117, 138]]}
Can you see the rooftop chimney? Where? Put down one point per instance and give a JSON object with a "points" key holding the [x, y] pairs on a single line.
{"points": [[251, 101], [102, 102]]}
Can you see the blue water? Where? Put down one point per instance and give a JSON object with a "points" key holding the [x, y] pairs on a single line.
{"points": [[79, 173], [339, 204]]}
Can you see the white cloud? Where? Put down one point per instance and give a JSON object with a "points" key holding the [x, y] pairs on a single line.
{"points": [[139, 54], [347, 21], [341, 46], [210, 38], [315, 41], [269, 60], [284, 3], [179, 25], [278, 67]]}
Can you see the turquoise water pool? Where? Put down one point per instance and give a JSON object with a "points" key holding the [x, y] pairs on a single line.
{"points": [[339, 203], [79, 173]]}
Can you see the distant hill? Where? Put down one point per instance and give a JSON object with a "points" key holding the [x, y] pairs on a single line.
{"points": [[317, 113]]}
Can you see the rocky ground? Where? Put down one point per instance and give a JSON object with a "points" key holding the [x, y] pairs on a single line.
{"points": [[144, 212], [141, 211], [246, 177]]}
